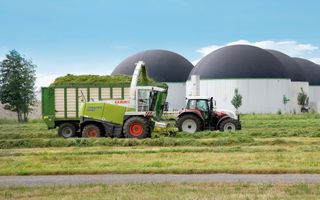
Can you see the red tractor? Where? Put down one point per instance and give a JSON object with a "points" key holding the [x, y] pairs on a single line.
{"points": [[200, 115]]}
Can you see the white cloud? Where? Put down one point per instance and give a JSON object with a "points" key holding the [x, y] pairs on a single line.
{"points": [[206, 50], [316, 60], [44, 80], [195, 61], [291, 48]]}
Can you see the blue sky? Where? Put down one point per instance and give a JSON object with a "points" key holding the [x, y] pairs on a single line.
{"points": [[81, 37]]}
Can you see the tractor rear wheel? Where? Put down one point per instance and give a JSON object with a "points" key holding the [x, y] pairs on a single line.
{"points": [[189, 123], [91, 130], [136, 127], [67, 130], [229, 125]]}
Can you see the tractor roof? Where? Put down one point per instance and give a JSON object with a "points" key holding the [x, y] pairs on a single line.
{"points": [[199, 97]]}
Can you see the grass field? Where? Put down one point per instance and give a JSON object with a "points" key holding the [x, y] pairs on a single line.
{"points": [[267, 144], [166, 191]]}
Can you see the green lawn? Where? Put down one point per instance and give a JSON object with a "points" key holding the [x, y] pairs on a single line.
{"points": [[166, 191], [299, 156], [267, 144]]}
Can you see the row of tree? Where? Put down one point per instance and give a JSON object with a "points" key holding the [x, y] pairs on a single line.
{"points": [[17, 84]]}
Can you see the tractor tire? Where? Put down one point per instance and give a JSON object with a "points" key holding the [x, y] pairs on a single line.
{"points": [[91, 130], [137, 127], [67, 130], [189, 124], [229, 124]]}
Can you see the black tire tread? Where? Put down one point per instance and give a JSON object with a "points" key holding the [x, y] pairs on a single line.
{"points": [[64, 125], [228, 120], [145, 123], [84, 135]]}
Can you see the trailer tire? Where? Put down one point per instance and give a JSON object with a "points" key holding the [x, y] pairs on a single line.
{"points": [[67, 130], [189, 123], [136, 127], [229, 124], [91, 130]]}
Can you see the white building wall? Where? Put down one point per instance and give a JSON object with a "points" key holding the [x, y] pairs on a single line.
{"points": [[176, 95], [295, 90], [314, 98], [258, 95]]}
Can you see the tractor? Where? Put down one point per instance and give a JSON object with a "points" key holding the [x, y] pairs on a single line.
{"points": [[134, 120], [200, 114]]}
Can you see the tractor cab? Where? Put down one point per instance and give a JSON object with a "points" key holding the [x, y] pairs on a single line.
{"points": [[150, 99], [202, 104], [200, 114]]}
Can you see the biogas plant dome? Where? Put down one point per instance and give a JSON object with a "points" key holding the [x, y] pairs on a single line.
{"points": [[311, 71], [239, 61], [293, 69], [162, 65], [255, 73]]}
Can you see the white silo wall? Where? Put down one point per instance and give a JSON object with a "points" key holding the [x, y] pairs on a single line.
{"points": [[314, 98], [258, 95], [176, 95], [295, 90]]}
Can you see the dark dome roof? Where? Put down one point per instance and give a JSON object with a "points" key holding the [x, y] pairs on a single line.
{"points": [[240, 61], [162, 65], [311, 70], [292, 67]]}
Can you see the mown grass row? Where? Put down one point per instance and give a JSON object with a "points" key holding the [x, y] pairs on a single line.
{"points": [[84, 142], [38, 130], [36, 134], [160, 142], [302, 146], [279, 158]]}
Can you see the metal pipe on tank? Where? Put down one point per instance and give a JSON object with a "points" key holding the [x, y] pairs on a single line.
{"points": [[195, 82]]}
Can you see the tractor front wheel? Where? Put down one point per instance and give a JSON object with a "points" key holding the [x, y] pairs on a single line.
{"points": [[230, 125], [136, 127], [189, 123]]}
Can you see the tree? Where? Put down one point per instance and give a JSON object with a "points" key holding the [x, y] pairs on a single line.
{"points": [[237, 99], [17, 79], [303, 99]]}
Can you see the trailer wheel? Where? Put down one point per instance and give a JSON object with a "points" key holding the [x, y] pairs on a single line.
{"points": [[67, 130], [229, 125], [189, 123], [136, 127], [91, 130]]}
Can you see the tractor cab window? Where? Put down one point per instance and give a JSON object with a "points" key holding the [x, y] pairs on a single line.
{"points": [[143, 100], [192, 104], [203, 105]]}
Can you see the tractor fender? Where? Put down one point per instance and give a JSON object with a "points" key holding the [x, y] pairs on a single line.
{"points": [[189, 111], [220, 120], [193, 112]]}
